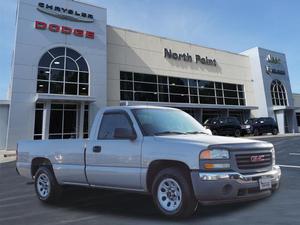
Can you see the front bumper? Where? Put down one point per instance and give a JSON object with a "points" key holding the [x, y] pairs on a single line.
{"points": [[225, 187]]}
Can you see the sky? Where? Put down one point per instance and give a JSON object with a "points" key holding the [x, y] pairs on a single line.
{"points": [[232, 25]]}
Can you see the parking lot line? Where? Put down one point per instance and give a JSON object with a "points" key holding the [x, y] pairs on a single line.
{"points": [[16, 197], [294, 153], [290, 166]]}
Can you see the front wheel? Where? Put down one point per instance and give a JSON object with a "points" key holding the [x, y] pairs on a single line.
{"points": [[256, 132], [173, 194], [46, 186]]}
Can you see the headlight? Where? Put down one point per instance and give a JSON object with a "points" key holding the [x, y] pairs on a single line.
{"points": [[273, 156], [248, 126], [214, 154]]}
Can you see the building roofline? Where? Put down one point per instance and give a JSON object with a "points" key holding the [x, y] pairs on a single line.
{"points": [[171, 39], [266, 49], [4, 102], [89, 4]]}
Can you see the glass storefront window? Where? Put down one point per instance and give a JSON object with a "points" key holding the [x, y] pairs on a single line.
{"points": [[157, 88], [63, 71], [38, 124], [278, 93]]}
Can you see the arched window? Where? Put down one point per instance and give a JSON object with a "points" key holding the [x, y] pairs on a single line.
{"points": [[63, 71], [278, 93]]}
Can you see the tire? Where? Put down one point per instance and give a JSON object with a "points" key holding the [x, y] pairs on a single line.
{"points": [[214, 132], [46, 186], [256, 132], [180, 191], [237, 133], [275, 131]]}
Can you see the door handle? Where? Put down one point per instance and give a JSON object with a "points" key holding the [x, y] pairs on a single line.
{"points": [[97, 149]]}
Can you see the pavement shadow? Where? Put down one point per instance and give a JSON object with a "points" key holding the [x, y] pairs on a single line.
{"points": [[139, 206]]}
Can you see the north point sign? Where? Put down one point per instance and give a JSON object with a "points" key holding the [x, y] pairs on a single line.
{"points": [[188, 58]]}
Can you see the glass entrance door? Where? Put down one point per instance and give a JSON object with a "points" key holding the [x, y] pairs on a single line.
{"points": [[63, 121]]}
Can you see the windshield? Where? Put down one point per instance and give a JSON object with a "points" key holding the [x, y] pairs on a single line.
{"points": [[166, 122], [249, 121]]}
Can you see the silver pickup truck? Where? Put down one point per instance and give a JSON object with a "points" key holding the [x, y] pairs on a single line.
{"points": [[161, 151]]}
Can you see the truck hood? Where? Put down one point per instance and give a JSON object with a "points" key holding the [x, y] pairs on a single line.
{"points": [[219, 141]]}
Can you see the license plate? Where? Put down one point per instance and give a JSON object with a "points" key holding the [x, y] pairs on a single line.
{"points": [[265, 183]]}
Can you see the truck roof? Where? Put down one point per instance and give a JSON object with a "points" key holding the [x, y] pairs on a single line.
{"points": [[137, 107]]}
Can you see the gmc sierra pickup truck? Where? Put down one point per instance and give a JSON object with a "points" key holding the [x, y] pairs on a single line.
{"points": [[157, 150]]}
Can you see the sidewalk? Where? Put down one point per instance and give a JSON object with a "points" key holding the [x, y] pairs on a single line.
{"points": [[7, 156]]}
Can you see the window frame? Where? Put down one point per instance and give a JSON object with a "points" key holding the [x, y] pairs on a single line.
{"points": [[49, 70], [115, 112]]}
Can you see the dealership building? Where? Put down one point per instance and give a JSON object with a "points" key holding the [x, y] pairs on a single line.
{"points": [[68, 63]]}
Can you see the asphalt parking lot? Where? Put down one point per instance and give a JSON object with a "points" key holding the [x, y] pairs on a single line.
{"points": [[19, 205]]}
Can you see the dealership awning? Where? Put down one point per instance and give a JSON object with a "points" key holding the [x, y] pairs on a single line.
{"points": [[4, 102], [65, 98], [282, 107], [188, 105]]}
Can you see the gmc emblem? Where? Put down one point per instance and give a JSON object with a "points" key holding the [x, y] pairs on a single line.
{"points": [[257, 158]]}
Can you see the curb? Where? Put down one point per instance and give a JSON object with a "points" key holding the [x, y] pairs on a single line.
{"points": [[273, 136], [7, 156]]}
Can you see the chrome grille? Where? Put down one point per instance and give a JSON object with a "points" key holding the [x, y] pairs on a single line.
{"points": [[253, 160]]}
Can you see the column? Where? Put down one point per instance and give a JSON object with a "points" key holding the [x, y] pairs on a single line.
{"points": [[81, 119], [280, 121], [46, 120]]}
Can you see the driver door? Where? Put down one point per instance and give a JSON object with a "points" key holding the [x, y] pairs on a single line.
{"points": [[113, 161]]}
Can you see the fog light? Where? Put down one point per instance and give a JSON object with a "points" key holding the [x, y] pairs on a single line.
{"points": [[216, 166], [227, 189]]}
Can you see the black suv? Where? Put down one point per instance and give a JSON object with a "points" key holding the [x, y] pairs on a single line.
{"points": [[259, 126], [224, 126]]}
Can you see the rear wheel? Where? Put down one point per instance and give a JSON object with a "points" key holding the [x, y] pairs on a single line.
{"points": [[46, 186], [275, 131], [173, 194], [237, 133]]}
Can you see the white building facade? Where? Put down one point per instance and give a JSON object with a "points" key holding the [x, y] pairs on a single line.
{"points": [[68, 63]]}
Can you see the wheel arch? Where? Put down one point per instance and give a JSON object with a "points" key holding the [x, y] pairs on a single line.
{"points": [[37, 162], [157, 165]]}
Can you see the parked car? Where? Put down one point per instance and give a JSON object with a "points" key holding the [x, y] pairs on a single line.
{"points": [[262, 125], [157, 150], [224, 126]]}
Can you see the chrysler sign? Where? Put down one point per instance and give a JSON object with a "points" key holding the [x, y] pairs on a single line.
{"points": [[65, 13]]}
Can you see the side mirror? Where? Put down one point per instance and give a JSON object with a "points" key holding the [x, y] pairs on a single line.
{"points": [[124, 133], [208, 131]]}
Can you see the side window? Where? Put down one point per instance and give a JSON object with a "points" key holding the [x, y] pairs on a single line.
{"points": [[270, 121], [236, 121], [230, 121], [110, 122]]}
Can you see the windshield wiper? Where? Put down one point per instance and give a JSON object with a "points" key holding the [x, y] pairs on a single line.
{"points": [[195, 132], [168, 132]]}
